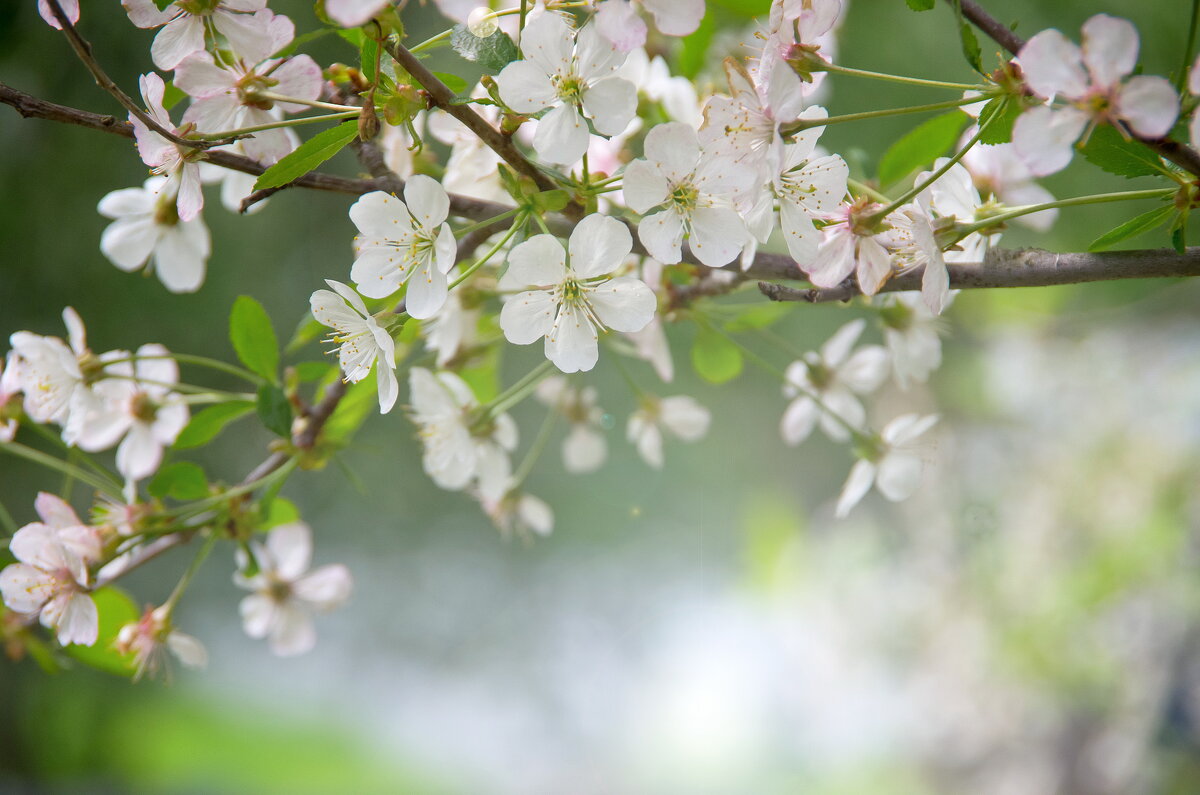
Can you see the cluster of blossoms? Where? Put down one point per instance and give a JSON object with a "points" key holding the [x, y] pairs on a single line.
{"points": [[720, 179]]}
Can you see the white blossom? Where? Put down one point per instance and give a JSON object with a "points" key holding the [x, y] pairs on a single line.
{"points": [[619, 22], [893, 466], [452, 330], [286, 593], [584, 449], [150, 638], [352, 13], [180, 164], [910, 333], [361, 342], [849, 246], [147, 230], [570, 303], [249, 28], [519, 513], [681, 415]]}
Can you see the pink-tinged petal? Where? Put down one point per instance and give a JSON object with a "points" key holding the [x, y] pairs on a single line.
{"points": [[595, 56], [598, 245], [906, 428], [1043, 137], [834, 261], [70, 9], [1149, 104], [427, 290], [190, 200], [256, 36], [862, 475], [290, 549], [380, 215], [617, 21], [145, 14], [198, 76], [624, 304], [571, 342], [352, 13], [139, 453], [525, 87], [676, 17], [718, 234], [78, 623], [662, 235], [798, 420], [324, 588], [258, 614], [128, 243], [899, 475], [527, 317], [546, 41], [292, 632], [26, 588], [684, 417], [180, 257], [299, 77], [674, 148], [643, 186], [1053, 65], [611, 104], [562, 135], [538, 262], [39, 545], [181, 37], [55, 511], [427, 201], [1110, 49]]}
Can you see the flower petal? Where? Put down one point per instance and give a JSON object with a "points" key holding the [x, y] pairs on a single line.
{"points": [[862, 475], [598, 245], [1149, 104], [1110, 49]]}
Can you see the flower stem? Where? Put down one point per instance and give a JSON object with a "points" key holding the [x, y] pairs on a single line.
{"points": [[50, 462], [804, 124], [932, 178], [912, 81], [346, 114], [1098, 198], [236, 491], [535, 452], [466, 230], [867, 190], [312, 103], [212, 364], [477, 264], [518, 391], [186, 579]]}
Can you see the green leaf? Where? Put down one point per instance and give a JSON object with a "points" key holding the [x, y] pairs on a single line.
{"points": [[492, 52], [115, 609], [999, 115], [550, 201], [308, 155], [921, 146], [354, 36], [1133, 227], [693, 54], [352, 409], [274, 410], [368, 54], [716, 358], [253, 338], [312, 371], [758, 316], [970, 45], [1107, 149], [307, 330], [920, 5], [172, 95], [181, 480], [162, 4], [281, 511], [453, 82], [208, 422]]}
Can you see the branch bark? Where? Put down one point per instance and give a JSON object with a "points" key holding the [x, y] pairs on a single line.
{"points": [[1029, 267]]}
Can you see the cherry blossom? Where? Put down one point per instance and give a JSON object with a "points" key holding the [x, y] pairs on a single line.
{"points": [[70, 9], [403, 239], [286, 593], [823, 386], [249, 28], [585, 448], [910, 333], [892, 465], [999, 172], [51, 578], [694, 193], [575, 83], [361, 341], [452, 329], [570, 303], [654, 81], [745, 125], [352, 13], [150, 638], [618, 20], [180, 164], [463, 444], [1092, 80], [10, 396], [147, 230], [851, 246], [681, 415], [912, 242], [518, 513], [51, 377], [471, 169], [798, 30]]}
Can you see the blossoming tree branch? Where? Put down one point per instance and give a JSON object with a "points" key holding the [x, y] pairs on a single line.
{"points": [[580, 198]]}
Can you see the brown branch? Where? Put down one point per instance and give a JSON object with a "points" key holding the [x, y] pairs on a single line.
{"points": [[1027, 267], [1180, 154]]}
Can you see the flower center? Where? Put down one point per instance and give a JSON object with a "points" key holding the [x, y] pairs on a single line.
{"points": [[685, 196], [570, 89], [250, 90], [166, 212], [198, 7]]}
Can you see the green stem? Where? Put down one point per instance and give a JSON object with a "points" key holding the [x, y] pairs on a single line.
{"points": [[7, 521], [186, 579], [932, 178], [312, 103], [212, 364], [57, 441], [867, 190], [1099, 198], [912, 81], [535, 452], [50, 462], [237, 491], [466, 230], [275, 125], [477, 264], [432, 41], [804, 124], [518, 391]]}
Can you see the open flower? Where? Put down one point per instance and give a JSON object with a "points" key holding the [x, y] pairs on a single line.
{"points": [[405, 242], [51, 578], [249, 28], [286, 593], [147, 230], [584, 449], [682, 415], [574, 81], [180, 164], [910, 332], [1092, 80], [618, 20], [571, 303], [361, 342], [892, 465], [150, 638], [518, 513], [693, 193], [850, 246]]}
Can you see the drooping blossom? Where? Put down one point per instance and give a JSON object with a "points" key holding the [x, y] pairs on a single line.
{"points": [[893, 465], [285, 593], [619, 22], [51, 577], [461, 445], [405, 242], [180, 164], [147, 231], [570, 302], [693, 193], [573, 80], [150, 638], [585, 448], [362, 343], [910, 333], [248, 27], [453, 329], [519, 513], [823, 386], [681, 415], [1092, 81]]}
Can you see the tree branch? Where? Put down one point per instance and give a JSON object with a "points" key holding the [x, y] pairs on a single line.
{"points": [[1181, 155], [1027, 267]]}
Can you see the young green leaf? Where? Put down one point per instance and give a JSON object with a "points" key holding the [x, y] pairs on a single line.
{"points": [[970, 44], [181, 480], [253, 338], [758, 316], [453, 82], [493, 52], [693, 53], [368, 55], [715, 357], [1107, 149], [308, 155], [1133, 227], [921, 146], [115, 609], [208, 422], [920, 5], [274, 410], [352, 409], [999, 114]]}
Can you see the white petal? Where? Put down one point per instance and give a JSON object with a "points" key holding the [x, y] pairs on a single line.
{"points": [[547, 42], [26, 588], [866, 370], [798, 420], [538, 262], [187, 649], [380, 215], [180, 256], [427, 290], [1053, 64], [79, 622], [427, 201], [1149, 104], [180, 38], [258, 614], [527, 317], [685, 417], [128, 242], [611, 104], [571, 342], [862, 475], [583, 450], [325, 588], [662, 235], [674, 148], [290, 549], [834, 260], [596, 57], [562, 135], [905, 428], [624, 304], [198, 76], [837, 348], [352, 13], [598, 245], [293, 632], [378, 272], [525, 87], [139, 454], [1110, 49], [127, 201], [536, 514], [718, 235], [648, 439], [899, 475], [676, 17], [1043, 137], [935, 286], [643, 186]]}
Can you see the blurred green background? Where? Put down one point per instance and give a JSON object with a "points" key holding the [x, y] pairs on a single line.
{"points": [[1025, 624]]}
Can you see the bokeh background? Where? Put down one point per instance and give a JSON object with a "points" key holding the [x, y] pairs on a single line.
{"points": [[1026, 624]]}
